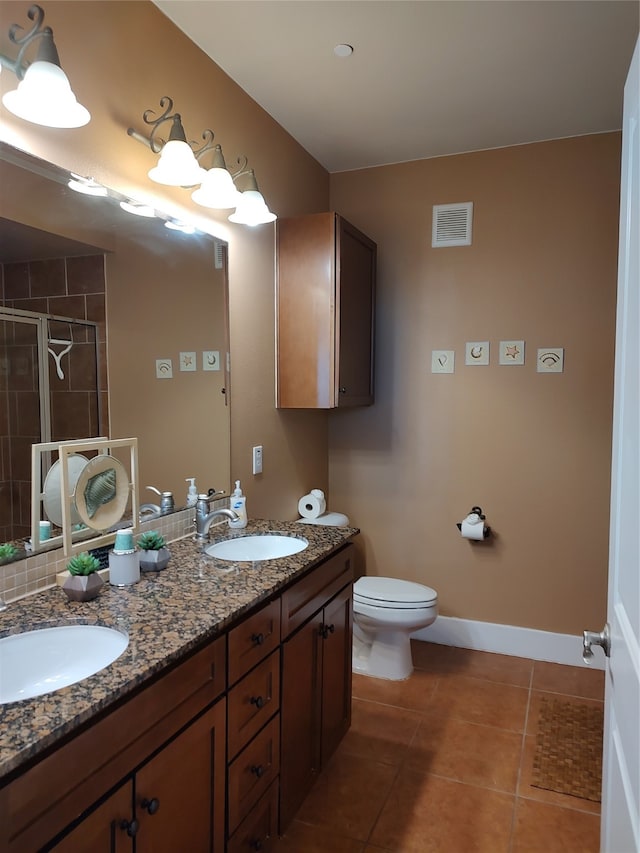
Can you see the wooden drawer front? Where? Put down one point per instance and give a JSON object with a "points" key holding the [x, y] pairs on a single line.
{"points": [[252, 772], [310, 593], [253, 640], [251, 702], [46, 798], [259, 830]]}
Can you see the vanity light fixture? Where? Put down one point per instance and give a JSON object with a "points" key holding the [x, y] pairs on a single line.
{"points": [[87, 186], [43, 95], [179, 166], [252, 208], [177, 225]]}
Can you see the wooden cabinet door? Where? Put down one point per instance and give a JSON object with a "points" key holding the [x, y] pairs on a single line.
{"points": [[355, 294], [300, 713], [103, 831], [336, 672], [180, 793]]}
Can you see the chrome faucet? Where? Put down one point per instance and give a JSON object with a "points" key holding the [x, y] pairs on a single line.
{"points": [[166, 504], [204, 517], [3, 605]]}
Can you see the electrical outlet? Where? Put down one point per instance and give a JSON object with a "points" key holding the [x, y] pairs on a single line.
{"points": [[257, 459]]}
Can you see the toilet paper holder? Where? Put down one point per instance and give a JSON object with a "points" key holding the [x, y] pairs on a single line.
{"points": [[486, 530]]}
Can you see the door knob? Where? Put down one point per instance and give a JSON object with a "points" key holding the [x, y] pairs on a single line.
{"points": [[592, 638]]}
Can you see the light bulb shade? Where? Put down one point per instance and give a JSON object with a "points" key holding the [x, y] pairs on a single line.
{"points": [[252, 210], [44, 97], [217, 191], [177, 166]]}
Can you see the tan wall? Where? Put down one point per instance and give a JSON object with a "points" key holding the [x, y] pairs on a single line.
{"points": [[533, 450], [121, 58]]}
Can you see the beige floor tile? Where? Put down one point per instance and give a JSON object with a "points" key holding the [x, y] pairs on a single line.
{"points": [[414, 694], [348, 796], [428, 814], [380, 731], [544, 828], [503, 669], [432, 657], [466, 752], [527, 790], [570, 680], [479, 701], [536, 700], [304, 838]]}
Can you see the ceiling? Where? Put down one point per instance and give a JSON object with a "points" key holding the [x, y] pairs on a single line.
{"points": [[425, 78]]}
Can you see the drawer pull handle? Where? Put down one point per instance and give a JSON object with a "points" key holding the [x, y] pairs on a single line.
{"points": [[257, 770], [257, 639], [151, 806], [258, 701], [256, 844], [130, 827]]}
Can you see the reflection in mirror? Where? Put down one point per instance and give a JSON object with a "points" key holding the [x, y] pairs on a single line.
{"points": [[112, 325]]}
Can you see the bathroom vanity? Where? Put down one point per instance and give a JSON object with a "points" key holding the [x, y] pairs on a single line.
{"points": [[208, 731]]}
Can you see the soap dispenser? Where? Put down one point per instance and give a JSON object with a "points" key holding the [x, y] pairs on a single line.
{"points": [[192, 491], [239, 506]]}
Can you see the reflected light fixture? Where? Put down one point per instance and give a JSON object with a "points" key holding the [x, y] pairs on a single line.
{"points": [[138, 208], [87, 186], [252, 208], [179, 166], [43, 95], [177, 225]]}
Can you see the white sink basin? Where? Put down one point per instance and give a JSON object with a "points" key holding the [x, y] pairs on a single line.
{"points": [[271, 546], [44, 660]]}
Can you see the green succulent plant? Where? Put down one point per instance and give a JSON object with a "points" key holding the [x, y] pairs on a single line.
{"points": [[151, 541], [7, 551], [83, 564]]}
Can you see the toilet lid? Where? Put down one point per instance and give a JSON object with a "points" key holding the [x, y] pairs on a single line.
{"points": [[393, 592]]}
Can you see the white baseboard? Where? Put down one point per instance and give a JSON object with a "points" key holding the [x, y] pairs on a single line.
{"points": [[509, 640]]}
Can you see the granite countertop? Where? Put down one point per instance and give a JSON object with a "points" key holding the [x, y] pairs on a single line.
{"points": [[165, 615]]}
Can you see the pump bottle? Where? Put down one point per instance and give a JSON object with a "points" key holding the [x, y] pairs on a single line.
{"points": [[192, 491], [238, 504]]}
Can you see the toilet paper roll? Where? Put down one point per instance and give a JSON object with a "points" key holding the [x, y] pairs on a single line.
{"points": [[313, 504], [472, 527]]}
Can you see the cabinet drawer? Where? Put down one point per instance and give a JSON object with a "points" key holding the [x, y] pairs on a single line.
{"points": [[252, 701], [259, 830], [310, 593], [253, 640], [252, 772]]}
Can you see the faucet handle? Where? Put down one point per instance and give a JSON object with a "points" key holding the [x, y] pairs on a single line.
{"points": [[212, 495]]}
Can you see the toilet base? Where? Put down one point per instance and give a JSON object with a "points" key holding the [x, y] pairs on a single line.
{"points": [[388, 656]]}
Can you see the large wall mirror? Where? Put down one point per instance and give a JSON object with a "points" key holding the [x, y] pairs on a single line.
{"points": [[111, 324]]}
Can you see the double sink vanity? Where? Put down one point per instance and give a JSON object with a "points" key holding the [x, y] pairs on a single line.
{"points": [[209, 729]]}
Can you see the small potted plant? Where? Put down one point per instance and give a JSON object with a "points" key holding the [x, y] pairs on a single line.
{"points": [[84, 582], [7, 552], [154, 554]]}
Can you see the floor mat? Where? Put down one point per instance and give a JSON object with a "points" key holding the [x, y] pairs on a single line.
{"points": [[568, 756]]}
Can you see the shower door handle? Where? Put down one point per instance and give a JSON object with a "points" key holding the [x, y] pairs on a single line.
{"points": [[592, 638]]}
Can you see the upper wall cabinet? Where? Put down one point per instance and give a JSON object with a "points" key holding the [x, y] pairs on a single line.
{"points": [[325, 313]]}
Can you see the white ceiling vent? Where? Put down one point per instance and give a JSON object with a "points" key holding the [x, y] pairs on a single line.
{"points": [[452, 224]]}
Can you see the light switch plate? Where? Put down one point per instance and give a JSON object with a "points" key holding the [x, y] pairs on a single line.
{"points": [[211, 359], [188, 361], [164, 368], [550, 360], [511, 352], [476, 352], [442, 360]]}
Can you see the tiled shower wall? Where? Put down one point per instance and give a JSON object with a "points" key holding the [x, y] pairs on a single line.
{"points": [[70, 287]]}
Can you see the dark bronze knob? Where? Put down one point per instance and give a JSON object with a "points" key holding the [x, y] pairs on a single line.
{"points": [[343, 390], [325, 630], [258, 701], [257, 639], [256, 844], [152, 805], [130, 827], [257, 770]]}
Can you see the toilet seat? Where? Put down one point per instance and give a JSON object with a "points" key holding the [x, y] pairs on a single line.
{"points": [[393, 593]]}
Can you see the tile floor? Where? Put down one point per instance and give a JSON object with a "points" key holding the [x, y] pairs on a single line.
{"points": [[442, 762]]}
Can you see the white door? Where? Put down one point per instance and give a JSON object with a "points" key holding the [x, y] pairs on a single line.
{"points": [[621, 771]]}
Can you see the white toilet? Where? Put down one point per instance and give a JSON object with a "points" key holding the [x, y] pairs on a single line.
{"points": [[386, 611]]}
